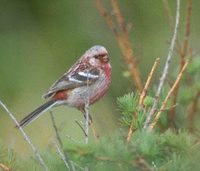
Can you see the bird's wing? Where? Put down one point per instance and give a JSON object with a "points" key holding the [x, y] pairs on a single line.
{"points": [[71, 80]]}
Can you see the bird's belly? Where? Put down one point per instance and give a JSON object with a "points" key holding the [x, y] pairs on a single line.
{"points": [[80, 96]]}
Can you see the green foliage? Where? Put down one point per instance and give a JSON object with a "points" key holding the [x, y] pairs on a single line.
{"points": [[148, 101], [194, 66], [15, 161], [190, 81], [146, 151], [127, 106], [131, 111]]}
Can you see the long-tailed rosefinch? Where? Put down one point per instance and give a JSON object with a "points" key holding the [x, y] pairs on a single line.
{"points": [[89, 78]]}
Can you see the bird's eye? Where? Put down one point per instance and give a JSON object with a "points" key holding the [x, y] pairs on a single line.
{"points": [[102, 57], [96, 56]]}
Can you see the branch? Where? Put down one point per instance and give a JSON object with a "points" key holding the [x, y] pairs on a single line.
{"points": [[168, 96], [77, 122], [121, 35], [168, 13], [118, 15], [56, 129], [86, 109], [59, 146], [63, 157], [27, 139], [4, 167], [170, 18], [187, 29], [166, 67], [144, 91], [183, 52], [193, 110], [143, 95]]}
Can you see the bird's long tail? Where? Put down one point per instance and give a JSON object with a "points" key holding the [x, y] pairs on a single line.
{"points": [[36, 113]]}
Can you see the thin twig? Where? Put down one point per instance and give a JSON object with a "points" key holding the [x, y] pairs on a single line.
{"points": [[130, 132], [86, 122], [183, 53], [144, 91], [86, 110], [81, 127], [166, 67], [193, 110], [60, 144], [168, 96], [168, 13], [96, 136], [27, 139], [56, 129], [187, 29], [143, 95], [105, 15], [170, 18], [77, 166], [63, 157], [88, 118], [118, 15], [4, 167], [121, 35]]}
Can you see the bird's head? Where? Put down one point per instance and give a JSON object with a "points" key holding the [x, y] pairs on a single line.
{"points": [[97, 55]]}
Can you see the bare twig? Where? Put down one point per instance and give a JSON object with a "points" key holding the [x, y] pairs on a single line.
{"points": [[60, 145], [166, 67], [168, 96], [118, 15], [81, 127], [183, 53], [56, 129], [105, 15], [87, 121], [63, 157], [168, 13], [4, 167], [88, 118], [170, 18], [143, 95], [27, 139], [187, 29], [144, 91], [121, 35], [193, 110], [96, 136], [86, 110]]}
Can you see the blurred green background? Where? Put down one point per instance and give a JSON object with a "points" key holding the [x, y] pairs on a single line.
{"points": [[40, 40]]}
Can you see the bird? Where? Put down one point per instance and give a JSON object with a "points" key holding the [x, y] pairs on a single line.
{"points": [[88, 79]]}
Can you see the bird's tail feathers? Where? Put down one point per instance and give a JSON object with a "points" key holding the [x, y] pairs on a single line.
{"points": [[36, 113]]}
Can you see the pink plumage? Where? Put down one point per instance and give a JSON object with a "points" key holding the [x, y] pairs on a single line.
{"points": [[89, 78]]}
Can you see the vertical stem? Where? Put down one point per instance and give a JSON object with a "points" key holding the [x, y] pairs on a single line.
{"points": [[86, 109], [166, 68], [59, 146], [183, 52]]}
